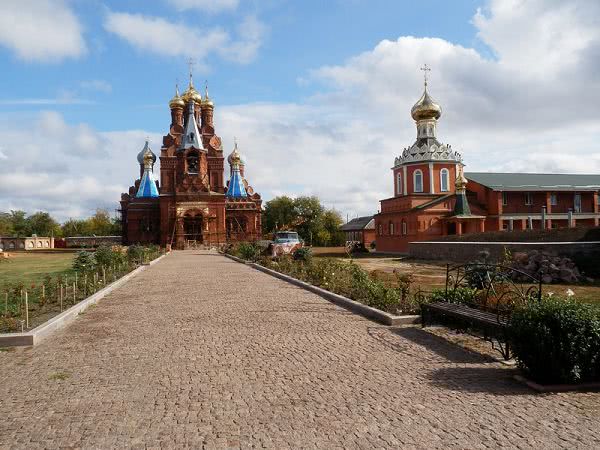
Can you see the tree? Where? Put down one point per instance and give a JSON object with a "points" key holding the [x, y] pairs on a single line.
{"points": [[75, 227], [20, 225], [42, 224], [101, 224], [279, 214], [315, 224], [6, 228]]}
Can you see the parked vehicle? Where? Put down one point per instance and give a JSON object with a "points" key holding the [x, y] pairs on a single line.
{"points": [[284, 243]]}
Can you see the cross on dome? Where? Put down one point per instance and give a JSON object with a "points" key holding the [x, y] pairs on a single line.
{"points": [[425, 69]]}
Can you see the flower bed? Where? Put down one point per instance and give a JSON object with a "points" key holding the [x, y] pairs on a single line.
{"points": [[340, 277], [23, 307]]}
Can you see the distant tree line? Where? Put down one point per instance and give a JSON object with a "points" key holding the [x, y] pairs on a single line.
{"points": [[18, 223], [314, 223]]}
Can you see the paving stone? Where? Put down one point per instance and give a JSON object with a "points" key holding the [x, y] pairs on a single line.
{"points": [[199, 351]]}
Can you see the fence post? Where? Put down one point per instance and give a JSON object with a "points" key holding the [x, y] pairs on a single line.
{"points": [[85, 284], [61, 297], [104, 275], [26, 310], [74, 292]]}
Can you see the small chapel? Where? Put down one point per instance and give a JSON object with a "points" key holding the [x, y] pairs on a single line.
{"points": [[434, 197], [193, 203]]}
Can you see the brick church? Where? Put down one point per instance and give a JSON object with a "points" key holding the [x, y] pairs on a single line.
{"points": [[434, 197], [193, 203]]}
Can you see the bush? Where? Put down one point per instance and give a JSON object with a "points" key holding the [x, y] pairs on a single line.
{"points": [[462, 295], [248, 251], [557, 340], [303, 254], [84, 261]]}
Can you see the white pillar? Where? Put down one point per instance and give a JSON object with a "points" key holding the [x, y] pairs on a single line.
{"points": [[405, 181], [431, 183]]}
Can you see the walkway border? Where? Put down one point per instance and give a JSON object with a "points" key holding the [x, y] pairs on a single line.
{"points": [[41, 332], [352, 305]]}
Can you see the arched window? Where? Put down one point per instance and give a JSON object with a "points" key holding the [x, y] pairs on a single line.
{"points": [[192, 163], [404, 230], [391, 228], [444, 180], [399, 183], [418, 180]]}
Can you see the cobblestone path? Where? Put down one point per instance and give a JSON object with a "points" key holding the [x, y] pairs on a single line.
{"points": [[199, 351]]}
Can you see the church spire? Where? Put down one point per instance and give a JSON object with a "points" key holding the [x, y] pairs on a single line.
{"points": [[461, 207], [191, 135]]}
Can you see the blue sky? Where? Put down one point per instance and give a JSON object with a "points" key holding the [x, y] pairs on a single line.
{"points": [[318, 92]]}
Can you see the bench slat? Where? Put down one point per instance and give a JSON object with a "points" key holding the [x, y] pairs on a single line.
{"points": [[463, 311]]}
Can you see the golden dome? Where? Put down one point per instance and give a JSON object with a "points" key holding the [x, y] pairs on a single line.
{"points": [[191, 94], [426, 108], [177, 101]]}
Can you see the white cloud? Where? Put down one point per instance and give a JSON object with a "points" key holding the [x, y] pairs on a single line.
{"points": [[41, 30], [72, 171], [210, 6], [157, 35]]}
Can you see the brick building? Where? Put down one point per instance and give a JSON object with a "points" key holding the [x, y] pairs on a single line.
{"points": [[192, 204], [360, 229], [434, 197]]}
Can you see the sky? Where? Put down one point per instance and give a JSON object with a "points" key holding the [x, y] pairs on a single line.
{"points": [[318, 93]]}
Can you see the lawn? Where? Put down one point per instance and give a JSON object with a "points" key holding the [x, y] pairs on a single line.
{"points": [[428, 275], [32, 267]]}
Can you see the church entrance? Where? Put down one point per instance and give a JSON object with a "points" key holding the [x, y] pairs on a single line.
{"points": [[192, 229]]}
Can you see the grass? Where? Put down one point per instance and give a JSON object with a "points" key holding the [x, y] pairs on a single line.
{"points": [[32, 267]]}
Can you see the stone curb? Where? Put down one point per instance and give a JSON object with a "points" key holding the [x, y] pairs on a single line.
{"points": [[352, 305], [555, 388], [39, 333]]}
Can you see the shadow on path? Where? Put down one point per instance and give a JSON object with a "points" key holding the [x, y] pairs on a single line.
{"points": [[489, 380], [441, 346]]}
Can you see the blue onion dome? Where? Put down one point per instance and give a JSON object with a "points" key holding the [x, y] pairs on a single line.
{"points": [[146, 149]]}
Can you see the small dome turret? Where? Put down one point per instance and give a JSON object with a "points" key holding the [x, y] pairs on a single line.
{"points": [[206, 101], [176, 101], [426, 108], [235, 155], [146, 152]]}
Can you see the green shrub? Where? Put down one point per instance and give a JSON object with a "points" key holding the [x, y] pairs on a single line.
{"points": [[303, 254], [105, 256], [84, 261], [462, 295], [248, 251], [557, 340]]}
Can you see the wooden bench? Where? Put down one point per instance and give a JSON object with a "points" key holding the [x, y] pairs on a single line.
{"points": [[491, 324]]}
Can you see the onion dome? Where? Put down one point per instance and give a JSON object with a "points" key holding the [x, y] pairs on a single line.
{"points": [[235, 155], [426, 108], [236, 188], [191, 93], [146, 151], [147, 188], [206, 101], [177, 101]]}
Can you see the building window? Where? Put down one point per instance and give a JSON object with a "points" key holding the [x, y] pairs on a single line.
{"points": [[391, 228], [577, 203], [598, 196], [380, 229], [505, 198], [528, 198], [192, 163], [399, 183], [418, 180], [553, 200], [444, 180], [404, 230]]}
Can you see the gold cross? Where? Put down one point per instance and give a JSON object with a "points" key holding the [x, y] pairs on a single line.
{"points": [[425, 69], [191, 64]]}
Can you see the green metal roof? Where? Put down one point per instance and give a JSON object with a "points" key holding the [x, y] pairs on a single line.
{"points": [[536, 181]]}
